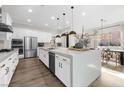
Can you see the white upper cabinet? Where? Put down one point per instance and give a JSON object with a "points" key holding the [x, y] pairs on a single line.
{"points": [[6, 19]]}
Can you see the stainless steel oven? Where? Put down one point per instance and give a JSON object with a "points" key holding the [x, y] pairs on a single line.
{"points": [[18, 43]]}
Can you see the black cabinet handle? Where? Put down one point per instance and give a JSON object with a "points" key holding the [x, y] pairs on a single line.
{"points": [[7, 70], [61, 65], [64, 59], [2, 66], [56, 56], [10, 58]]}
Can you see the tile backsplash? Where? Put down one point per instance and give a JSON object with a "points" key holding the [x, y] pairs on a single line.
{"points": [[5, 44], [1, 44]]}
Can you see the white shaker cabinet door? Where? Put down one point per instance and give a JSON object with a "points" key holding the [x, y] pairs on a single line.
{"points": [[4, 76], [41, 54], [62, 69], [46, 58], [66, 72], [58, 70]]}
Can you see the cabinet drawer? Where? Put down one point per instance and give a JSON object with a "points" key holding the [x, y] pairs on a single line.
{"points": [[62, 58]]}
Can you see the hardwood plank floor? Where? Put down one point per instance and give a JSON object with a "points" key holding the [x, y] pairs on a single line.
{"points": [[32, 73]]}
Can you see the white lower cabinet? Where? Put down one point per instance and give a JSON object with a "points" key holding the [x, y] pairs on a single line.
{"points": [[7, 68], [63, 69], [62, 66], [58, 67], [44, 56], [4, 74]]}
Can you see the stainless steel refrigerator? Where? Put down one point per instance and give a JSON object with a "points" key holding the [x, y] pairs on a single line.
{"points": [[30, 47]]}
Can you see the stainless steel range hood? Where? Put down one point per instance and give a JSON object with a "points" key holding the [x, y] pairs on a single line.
{"points": [[0, 14], [5, 28]]}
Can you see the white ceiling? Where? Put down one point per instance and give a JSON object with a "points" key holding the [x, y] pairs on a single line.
{"points": [[41, 15]]}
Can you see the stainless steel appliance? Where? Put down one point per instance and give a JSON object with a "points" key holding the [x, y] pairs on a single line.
{"points": [[5, 50], [40, 44], [52, 62], [17, 43], [30, 47], [5, 28]]}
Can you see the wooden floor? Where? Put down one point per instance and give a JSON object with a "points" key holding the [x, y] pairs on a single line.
{"points": [[33, 73]]}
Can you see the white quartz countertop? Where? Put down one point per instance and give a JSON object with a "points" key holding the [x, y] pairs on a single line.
{"points": [[5, 55], [85, 65], [65, 51]]}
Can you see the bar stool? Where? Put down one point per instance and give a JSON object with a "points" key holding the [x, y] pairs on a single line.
{"points": [[102, 55], [106, 57], [116, 57]]}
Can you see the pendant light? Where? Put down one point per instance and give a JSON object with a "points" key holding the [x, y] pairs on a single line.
{"points": [[63, 24], [102, 27], [82, 36], [102, 22], [57, 36], [72, 30]]}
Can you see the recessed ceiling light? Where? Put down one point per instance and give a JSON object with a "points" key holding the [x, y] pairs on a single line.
{"points": [[28, 20], [46, 24], [67, 22], [30, 10], [83, 14], [52, 17]]}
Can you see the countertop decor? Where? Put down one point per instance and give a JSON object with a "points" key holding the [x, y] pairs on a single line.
{"points": [[83, 40], [78, 49]]}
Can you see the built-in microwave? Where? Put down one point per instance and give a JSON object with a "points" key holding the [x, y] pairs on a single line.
{"points": [[17, 43]]}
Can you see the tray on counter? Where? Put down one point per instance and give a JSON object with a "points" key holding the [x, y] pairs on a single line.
{"points": [[79, 49]]}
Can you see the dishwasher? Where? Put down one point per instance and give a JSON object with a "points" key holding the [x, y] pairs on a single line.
{"points": [[52, 62]]}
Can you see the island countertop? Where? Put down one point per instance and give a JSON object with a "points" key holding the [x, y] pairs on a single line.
{"points": [[65, 51], [85, 66]]}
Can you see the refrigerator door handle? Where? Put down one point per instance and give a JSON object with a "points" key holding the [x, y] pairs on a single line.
{"points": [[31, 44]]}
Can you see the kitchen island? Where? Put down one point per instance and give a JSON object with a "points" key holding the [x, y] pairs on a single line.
{"points": [[74, 68]]}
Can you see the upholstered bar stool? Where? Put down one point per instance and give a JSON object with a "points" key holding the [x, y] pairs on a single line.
{"points": [[116, 57], [102, 55], [106, 57]]}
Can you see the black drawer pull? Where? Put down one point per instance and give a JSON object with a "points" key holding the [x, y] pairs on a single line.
{"points": [[10, 58], [64, 59], [2, 66]]}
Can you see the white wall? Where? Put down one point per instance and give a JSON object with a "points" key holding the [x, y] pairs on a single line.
{"points": [[20, 32]]}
